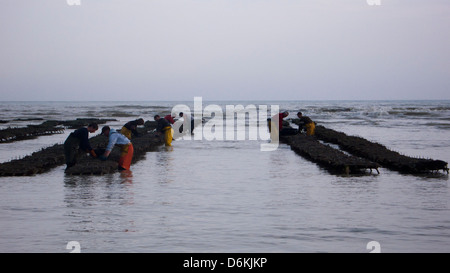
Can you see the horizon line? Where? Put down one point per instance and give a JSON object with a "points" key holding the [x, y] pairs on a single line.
{"points": [[225, 100]]}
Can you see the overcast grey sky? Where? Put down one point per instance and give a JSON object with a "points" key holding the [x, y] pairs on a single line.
{"points": [[224, 49]]}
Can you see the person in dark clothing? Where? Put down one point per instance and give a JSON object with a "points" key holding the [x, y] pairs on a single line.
{"points": [[307, 123], [130, 128], [163, 127], [181, 114], [78, 142]]}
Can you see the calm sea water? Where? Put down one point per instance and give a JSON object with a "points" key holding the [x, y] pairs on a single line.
{"points": [[228, 196]]}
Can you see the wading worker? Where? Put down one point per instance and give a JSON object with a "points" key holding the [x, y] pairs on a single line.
{"points": [[307, 123], [279, 117], [187, 117], [130, 128], [126, 147], [78, 142], [282, 131], [163, 126], [170, 119]]}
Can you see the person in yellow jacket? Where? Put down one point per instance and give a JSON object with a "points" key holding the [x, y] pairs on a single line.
{"points": [[164, 127], [307, 123]]}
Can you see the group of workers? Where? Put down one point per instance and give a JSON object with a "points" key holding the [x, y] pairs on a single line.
{"points": [[305, 123], [78, 141]]}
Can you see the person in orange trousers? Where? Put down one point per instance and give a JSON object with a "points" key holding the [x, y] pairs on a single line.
{"points": [[126, 157], [123, 142]]}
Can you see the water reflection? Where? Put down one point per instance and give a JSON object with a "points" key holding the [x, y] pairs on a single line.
{"points": [[126, 176], [165, 165], [98, 204]]}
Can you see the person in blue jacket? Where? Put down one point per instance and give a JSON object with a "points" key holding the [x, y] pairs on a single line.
{"points": [[126, 147]]}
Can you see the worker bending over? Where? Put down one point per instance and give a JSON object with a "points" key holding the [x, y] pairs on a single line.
{"points": [[307, 123], [130, 128], [163, 127], [78, 142], [126, 147]]}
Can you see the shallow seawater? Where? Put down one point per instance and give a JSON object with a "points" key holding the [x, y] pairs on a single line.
{"points": [[229, 196]]}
